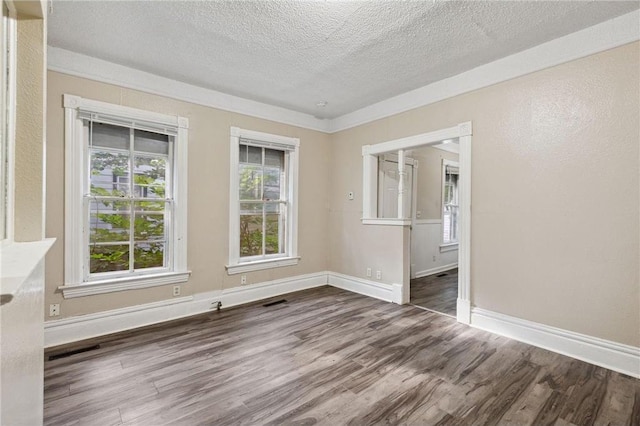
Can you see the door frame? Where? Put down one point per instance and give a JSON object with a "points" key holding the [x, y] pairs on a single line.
{"points": [[464, 133]]}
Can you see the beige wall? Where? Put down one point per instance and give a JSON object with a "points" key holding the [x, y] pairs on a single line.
{"points": [[429, 181], [208, 215], [30, 137], [555, 199]]}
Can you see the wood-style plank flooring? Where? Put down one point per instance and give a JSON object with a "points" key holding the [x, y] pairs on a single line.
{"points": [[438, 293], [328, 357]]}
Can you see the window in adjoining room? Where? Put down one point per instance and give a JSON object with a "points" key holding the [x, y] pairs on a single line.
{"points": [[450, 205]]}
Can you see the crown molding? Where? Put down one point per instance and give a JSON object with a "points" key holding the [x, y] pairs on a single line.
{"points": [[604, 36], [76, 64], [598, 38]]}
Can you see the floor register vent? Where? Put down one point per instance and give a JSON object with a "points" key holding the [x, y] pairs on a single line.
{"points": [[275, 302], [73, 352]]}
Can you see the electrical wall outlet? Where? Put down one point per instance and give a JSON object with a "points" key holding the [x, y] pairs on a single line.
{"points": [[434, 257], [369, 272], [243, 280], [176, 290], [350, 195], [54, 309], [378, 275]]}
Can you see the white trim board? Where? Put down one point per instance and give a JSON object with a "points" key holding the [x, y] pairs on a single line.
{"points": [[432, 271], [82, 327], [604, 353], [598, 38], [378, 290]]}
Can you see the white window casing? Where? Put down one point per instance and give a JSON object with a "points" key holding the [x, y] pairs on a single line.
{"points": [[8, 65], [288, 198], [77, 280]]}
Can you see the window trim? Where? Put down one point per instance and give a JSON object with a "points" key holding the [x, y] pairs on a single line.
{"points": [[75, 284], [451, 245], [236, 264]]}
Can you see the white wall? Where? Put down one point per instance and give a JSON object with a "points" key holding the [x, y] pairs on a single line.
{"points": [[426, 258]]}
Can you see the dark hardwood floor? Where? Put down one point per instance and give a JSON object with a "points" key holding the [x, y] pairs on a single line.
{"points": [[328, 357], [438, 293]]}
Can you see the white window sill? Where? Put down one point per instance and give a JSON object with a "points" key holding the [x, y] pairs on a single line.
{"points": [[262, 264], [448, 247], [122, 284], [382, 221]]}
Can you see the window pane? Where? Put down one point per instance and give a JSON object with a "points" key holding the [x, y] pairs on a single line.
{"points": [[109, 221], [149, 221], [250, 182], [250, 229], [149, 177], [108, 136], [273, 157], [148, 255], [454, 223], [273, 237], [243, 153], [272, 183], [149, 142], [254, 155], [108, 258], [109, 173]]}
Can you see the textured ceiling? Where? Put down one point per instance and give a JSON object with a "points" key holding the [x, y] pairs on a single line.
{"points": [[294, 54]]}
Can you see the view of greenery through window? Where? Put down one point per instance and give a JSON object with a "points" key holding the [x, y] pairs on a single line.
{"points": [[262, 202], [127, 204]]}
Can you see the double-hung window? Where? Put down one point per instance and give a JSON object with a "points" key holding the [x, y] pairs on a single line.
{"points": [[450, 204], [263, 201], [125, 198]]}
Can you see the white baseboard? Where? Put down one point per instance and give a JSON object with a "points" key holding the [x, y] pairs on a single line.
{"points": [[369, 288], [436, 270], [604, 353], [73, 329], [614, 356]]}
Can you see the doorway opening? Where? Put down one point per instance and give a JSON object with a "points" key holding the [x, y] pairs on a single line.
{"points": [[435, 228], [390, 172]]}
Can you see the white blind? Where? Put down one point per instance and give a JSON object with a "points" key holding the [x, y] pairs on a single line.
{"points": [[136, 124], [263, 144]]}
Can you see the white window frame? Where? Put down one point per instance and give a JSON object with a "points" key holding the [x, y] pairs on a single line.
{"points": [[8, 120], [452, 245], [76, 160], [291, 145]]}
